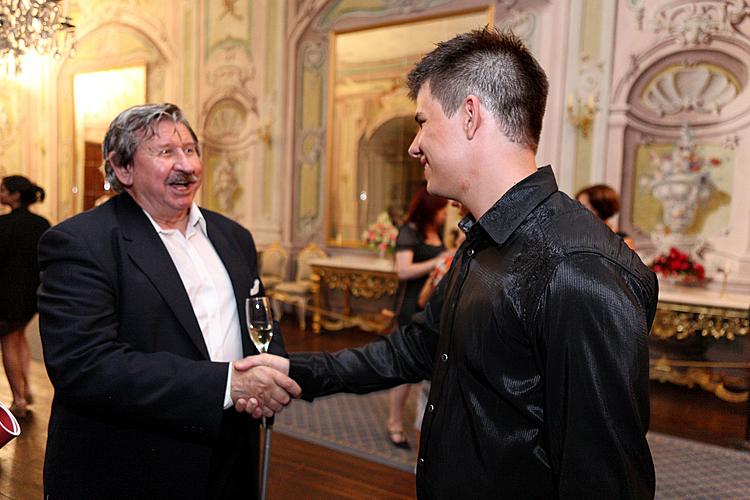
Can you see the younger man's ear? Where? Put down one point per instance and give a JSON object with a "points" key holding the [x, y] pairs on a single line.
{"points": [[471, 115]]}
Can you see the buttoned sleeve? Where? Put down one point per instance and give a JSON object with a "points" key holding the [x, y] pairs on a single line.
{"points": [[591, 333]]}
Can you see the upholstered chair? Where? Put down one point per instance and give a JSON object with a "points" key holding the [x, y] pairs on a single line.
{"points": [[273, 263], [298, 292]]}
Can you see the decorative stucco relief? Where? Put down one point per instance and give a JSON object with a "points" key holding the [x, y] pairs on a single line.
{"points": [[703, 88], [226, 130], [638, 8], [310, 135], [731, 142], [343, 9], [697, 22], [224, 182], [590, 76], [228, 24], [522, 23]]}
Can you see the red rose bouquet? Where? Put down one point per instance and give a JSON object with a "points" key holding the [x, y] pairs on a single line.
{"points": [[679, 266]]}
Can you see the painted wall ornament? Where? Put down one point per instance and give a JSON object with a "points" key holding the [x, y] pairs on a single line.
{"points": [[682, 184]]}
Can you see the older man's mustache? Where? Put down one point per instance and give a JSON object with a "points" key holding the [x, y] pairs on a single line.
{"points": [[182, 178]]}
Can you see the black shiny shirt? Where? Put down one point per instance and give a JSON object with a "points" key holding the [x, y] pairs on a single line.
{"points": [[536, 345]]}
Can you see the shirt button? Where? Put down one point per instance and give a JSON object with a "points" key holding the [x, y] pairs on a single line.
{"points": [[430, 408], [444, 357], [470, 252], [420, 461]]}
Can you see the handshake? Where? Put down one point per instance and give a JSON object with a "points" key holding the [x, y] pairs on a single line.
{"points": [[261, 385]]}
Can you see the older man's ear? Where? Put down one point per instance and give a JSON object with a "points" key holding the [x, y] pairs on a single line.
{"points": [[124, 174]]}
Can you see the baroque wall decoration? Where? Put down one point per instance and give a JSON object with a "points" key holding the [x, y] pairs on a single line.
{"points": [[696, 85], [582, 104], [697, 22], [310, 133], [224, 184], [228, 24], [638, 8], [522, 23], [339, 10], [683, 192], [703, 88], [684, 180]]}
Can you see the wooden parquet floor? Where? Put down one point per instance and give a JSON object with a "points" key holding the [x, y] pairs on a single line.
{"points": [[300, 469]]}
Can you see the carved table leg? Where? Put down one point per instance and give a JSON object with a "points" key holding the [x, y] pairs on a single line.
{"points": [[317, 302]]}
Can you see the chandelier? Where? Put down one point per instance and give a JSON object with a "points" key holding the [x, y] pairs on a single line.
{"points": [[33, 25]]}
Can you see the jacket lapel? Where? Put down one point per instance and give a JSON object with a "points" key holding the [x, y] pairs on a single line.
{"points": [[239, 275], [149, 254]]}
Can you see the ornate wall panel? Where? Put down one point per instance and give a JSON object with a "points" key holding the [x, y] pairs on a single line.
{"points": [[682, 66]]}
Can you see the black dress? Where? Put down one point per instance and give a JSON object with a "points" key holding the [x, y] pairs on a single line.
{"points": [[20, 231], [410, 239]]}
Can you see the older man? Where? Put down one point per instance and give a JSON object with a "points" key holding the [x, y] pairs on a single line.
{"points": [[535, 341], [141, 316]]}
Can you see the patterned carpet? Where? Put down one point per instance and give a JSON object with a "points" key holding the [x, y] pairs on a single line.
{"points": [[355, 424]]}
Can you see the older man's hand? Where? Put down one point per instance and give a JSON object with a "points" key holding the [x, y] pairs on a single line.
{"points": [[260, 389]]}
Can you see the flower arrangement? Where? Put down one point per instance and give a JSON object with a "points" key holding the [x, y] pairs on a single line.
{"points": [[680, 267], [681, 182], [381, 235]]}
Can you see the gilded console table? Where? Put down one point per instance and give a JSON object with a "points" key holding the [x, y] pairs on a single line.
{"points": [[694, 341], [369, 279]]}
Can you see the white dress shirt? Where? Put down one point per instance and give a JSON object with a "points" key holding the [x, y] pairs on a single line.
{"points": [[209, 288]]}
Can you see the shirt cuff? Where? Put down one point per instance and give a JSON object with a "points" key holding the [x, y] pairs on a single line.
{"points": [[227, 392]]}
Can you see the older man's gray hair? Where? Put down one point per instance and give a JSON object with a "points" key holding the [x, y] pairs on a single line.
{"points": [[130, 128]]}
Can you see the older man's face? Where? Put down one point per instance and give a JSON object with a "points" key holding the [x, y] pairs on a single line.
{"points": [[166, 173]]}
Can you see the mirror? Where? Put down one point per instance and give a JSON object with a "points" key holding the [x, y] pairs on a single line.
{"points": [[371, 120]]}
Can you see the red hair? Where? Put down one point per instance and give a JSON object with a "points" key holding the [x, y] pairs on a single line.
{"points": [[422, 209]]}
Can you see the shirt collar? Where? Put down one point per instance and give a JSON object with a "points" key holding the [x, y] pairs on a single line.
{"points": [[504, 217], [195, 219]]}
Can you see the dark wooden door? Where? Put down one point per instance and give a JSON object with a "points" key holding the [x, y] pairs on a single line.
{"points": [[93, 185]]}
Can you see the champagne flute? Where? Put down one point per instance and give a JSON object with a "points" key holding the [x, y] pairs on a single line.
{"points": [[259, 320]]}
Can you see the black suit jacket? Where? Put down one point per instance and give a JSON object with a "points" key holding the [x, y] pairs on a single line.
{"points": [[138, 404]]}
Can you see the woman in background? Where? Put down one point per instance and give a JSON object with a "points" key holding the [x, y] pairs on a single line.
{"points": [[20, 231], [603, 201], [419, 249]]}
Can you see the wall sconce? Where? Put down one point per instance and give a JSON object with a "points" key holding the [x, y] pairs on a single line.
{"points": [[264, 133], [581, 114]]}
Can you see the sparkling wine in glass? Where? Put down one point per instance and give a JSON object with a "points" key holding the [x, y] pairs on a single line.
{"points": [[259, 318]]}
